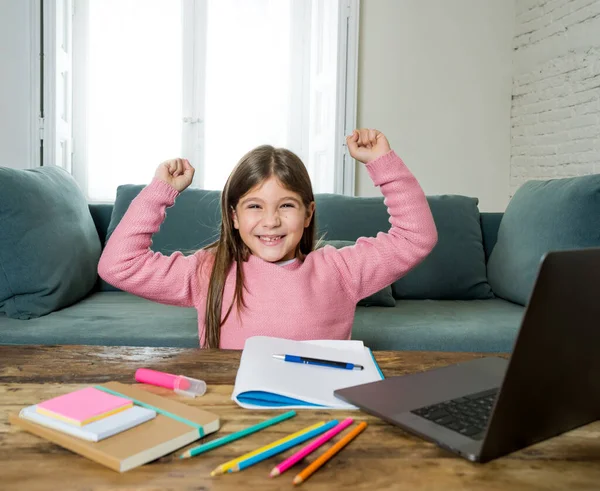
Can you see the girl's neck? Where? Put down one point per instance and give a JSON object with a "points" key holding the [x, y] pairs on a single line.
{"points": [[287, 264], [286, 261]]}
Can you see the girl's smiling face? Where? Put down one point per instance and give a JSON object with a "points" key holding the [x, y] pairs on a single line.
{"points": [[271, 220]]}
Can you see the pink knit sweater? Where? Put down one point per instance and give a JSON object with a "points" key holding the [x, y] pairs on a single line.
{"points": [[313, 299]]}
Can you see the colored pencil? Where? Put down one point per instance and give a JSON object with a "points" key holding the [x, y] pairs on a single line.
{"points": [[223, 468], [312, 468], [192, 452], [244, 464], [311, 447]]}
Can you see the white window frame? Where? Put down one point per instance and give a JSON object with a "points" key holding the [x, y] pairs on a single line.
{"points": [[36, 123], [194, 83], [80, 108], [46, 126], [299, 106], [348, 36], [345, 165]]}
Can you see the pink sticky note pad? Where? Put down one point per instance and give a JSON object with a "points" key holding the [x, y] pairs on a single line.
{"points": [[84, 404]]}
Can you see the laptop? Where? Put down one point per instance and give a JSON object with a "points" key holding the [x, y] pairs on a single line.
{"points": [[489, 407]]}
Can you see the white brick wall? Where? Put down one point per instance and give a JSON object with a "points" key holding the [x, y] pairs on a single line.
{"points": [[555, 116]]}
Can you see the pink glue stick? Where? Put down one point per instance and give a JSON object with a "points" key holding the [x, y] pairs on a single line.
{"points": [[181, 384]]}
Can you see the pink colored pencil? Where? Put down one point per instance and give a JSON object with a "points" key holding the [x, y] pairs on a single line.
{"points": [[311, 447]]}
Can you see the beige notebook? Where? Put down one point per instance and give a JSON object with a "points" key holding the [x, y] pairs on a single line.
{"points": [[141, 444]]}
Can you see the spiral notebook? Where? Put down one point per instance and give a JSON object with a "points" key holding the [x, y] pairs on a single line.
{"points": [[263, 382]]}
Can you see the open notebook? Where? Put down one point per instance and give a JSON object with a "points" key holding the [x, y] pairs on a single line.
{"points": [[263, 382]]}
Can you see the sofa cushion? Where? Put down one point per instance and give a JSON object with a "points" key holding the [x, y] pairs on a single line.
{"points": [[190, 224], [382, 298], [542, 216], [454, 270], [49, 247], [440, 325], [108, 319]]}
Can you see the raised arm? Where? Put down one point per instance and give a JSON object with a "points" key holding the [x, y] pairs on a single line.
{"points": [[375, 262], [127, 261]]}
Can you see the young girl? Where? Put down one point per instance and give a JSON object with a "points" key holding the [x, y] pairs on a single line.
{"points": [[262, 277]]}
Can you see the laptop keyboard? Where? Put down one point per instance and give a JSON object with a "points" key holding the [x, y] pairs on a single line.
{"points": [[466, 415]]}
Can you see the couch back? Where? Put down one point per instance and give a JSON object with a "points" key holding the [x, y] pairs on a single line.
{"points": [[490, 222], [455, 269]]}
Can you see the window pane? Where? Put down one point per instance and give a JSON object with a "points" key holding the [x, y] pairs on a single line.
{"points": [[323, 92], [247, 81], [134, 99]]}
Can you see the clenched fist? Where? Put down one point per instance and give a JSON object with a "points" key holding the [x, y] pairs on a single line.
{"points": [[366, 145], [176, 172]]}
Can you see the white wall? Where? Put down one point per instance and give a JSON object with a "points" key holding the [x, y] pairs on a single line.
{"points": [[556, 90], [15, 83], [435, 76]]}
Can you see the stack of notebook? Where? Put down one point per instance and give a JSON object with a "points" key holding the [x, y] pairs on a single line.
{"points": [[89, 413], [117, 425]]}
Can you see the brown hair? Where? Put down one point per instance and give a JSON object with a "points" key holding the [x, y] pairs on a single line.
{"points": [[253, 169]]}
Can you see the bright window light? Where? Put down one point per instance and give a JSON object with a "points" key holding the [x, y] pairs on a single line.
{"points": [[135, 86], [248, 65], [208, 80]]}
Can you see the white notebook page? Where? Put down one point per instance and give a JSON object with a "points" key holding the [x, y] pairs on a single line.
{"points": [[259, 371]]}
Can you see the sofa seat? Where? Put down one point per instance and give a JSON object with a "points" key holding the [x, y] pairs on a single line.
{"points": [[110, 319], [122, 319], [440, 325]]}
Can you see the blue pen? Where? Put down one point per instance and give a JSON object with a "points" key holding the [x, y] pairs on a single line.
{"points": [[317, 361]]}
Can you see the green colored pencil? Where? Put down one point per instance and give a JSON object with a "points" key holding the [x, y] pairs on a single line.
{"points": [[234, 436]]}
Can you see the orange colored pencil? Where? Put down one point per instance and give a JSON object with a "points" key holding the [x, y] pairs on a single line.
{"points": [[312, 468]]}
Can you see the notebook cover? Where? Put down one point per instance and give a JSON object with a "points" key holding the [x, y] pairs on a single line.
{"points": [[83, 406], [138, 445], [269, 399], [96, 430]]}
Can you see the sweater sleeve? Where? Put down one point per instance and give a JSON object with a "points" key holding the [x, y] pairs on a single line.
{"points": [[375, 262], [128, 263]]}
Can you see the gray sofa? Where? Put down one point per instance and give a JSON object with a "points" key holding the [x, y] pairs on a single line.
{"points": [[446, 303]]}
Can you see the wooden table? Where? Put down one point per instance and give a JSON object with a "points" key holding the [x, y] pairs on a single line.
{"points": [[383, 457]]}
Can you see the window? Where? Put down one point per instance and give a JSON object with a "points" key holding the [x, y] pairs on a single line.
{"points": [[209, 80], [134, 92]]}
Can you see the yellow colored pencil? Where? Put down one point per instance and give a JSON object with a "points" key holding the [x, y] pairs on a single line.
{"points": [[223, 468], [312, 468]]}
